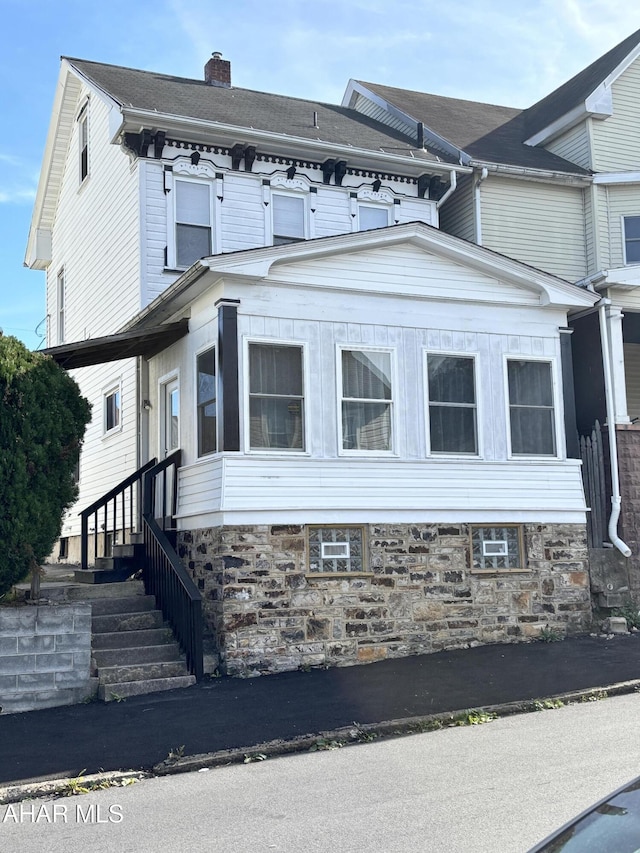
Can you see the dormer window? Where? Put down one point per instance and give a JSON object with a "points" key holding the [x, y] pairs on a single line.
{"points": [[631, 239], [373, 208]]}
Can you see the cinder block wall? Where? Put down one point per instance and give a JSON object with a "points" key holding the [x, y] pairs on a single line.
{"points": [[268, 613], [45, 656]]}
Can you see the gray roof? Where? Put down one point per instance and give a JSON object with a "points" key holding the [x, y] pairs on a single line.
{"points": [[497, 134], [248, 109]]}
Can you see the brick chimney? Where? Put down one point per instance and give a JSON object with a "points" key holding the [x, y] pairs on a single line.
{"points": [[217, 71]]}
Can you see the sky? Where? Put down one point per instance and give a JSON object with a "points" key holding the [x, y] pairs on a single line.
{"points": [[510, 53]]}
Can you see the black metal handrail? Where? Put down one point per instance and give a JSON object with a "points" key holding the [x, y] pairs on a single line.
{"points": [[164, 575], [108, 505]]}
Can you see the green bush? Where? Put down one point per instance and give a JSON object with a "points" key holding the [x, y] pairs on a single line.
{"points": [[43, 418]]}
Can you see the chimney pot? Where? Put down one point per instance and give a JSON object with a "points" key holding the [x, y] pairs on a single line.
{"points": [[217, 71]]}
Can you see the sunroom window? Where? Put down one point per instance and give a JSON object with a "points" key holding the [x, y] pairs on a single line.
{"points": [[276, 397], [452, 404], [367, 400], [531, 408]]}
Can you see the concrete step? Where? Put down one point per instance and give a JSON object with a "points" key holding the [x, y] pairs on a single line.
{"points": [[128, 639], [136, 655], [129, 604], [124, 589], [130, 551], [150, 671], [101, 576], [120, 690], [126, 622]]}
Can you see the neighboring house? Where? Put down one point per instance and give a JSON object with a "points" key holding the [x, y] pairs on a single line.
{"points": [[557, 185], [376, 418]]}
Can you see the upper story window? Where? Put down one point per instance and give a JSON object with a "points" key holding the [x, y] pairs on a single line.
{"points": [[61, 305], [192, 221], [370, 216], [206, 402], [631, 239], [367, 400], [276, 397], [83, 141], [452, 404], [289, 214], [531, 408]]}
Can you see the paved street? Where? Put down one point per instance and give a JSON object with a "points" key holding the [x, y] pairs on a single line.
{"points": [[493, 788]]}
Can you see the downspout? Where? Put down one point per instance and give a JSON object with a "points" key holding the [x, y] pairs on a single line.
{"points": [[477, 207], [453, 183], [616, 499]]}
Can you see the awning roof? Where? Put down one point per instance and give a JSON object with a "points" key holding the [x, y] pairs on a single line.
{"points": [[128, 344]]}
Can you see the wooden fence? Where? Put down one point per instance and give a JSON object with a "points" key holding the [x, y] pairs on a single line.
{"points": [[593, 478]]}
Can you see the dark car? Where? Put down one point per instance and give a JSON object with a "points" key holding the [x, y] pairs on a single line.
{"points": [[612, 825]]}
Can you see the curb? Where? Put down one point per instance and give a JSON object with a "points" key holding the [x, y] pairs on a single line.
{"points": [[344, 736]]}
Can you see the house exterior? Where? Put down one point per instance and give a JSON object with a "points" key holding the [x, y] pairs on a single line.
{"points": [[557, 185], [369, 379]]}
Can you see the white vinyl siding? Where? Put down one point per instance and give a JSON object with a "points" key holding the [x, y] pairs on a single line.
{"points": [[617, 202], [616, 141], [537, 223], [573, 146]]}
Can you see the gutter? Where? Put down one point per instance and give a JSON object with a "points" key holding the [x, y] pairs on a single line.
{"points": [[616, 500], [453, 179]]}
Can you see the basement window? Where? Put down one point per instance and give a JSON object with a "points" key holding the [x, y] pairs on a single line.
{"points": [[335, 550], [497, 549]]}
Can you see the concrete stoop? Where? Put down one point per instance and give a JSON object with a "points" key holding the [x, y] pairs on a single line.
{"points": [[133, 651]]}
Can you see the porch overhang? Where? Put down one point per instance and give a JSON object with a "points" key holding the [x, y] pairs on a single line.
{"points": [[134, 342]]}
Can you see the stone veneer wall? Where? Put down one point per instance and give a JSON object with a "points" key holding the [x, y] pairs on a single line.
{"points": [[268, 615], [628, 441], [45, 656]]}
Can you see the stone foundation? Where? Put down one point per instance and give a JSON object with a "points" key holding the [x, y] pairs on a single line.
{"points": [[269, 614]]}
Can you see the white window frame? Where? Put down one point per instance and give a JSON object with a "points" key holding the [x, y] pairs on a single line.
{"points": [[297, 187], [624, 237], [212, 345], [82, 121], [201, 173], [366, 197], [276, 451], [109, 391], [358, 347], [60, 305], [478, 405], [557, 406]]}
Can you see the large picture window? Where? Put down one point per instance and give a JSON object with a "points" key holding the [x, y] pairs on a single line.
{"points": [[206, 402], [288, 218], [531, 409], [452, 404], [367, 400], [276, 397], [193, 221], [632, 239]]}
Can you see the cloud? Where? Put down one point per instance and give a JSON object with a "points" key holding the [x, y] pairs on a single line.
{"points": [[18, 195]]}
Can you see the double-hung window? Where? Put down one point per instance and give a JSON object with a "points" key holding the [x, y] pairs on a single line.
{"points": [[276, 397], [632, 239], [112, 410], [367, 400], [206, 402], [372, 216], [83, 142], [192, 221], [452, 404], [531, 408], [288, 213]]}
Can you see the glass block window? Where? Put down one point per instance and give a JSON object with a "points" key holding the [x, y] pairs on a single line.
{"points": [[336, 549], [497, 548]]}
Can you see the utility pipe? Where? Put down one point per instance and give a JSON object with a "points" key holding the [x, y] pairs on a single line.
{"points": [[616, 500]]}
